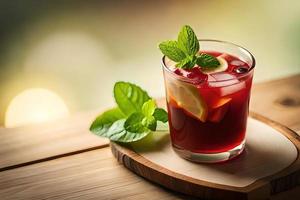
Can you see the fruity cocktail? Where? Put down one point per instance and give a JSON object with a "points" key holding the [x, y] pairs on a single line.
{"points": [[207, 93]]}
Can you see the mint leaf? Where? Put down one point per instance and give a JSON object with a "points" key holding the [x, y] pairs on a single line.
{"points": [[187, 41], [141, 121], [118, 133], [172, 51], [129, 97], [185, 63], [149, 122], [105, 120], [207, 61], [160, 115], [137, 122], [133, 119], [134, 123], [148, 108]]}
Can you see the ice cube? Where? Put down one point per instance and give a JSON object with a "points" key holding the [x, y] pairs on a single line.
{"points": [[227, 83], [230, 89], [210, 78], [225, 77], [237, 63], [222, 80]]}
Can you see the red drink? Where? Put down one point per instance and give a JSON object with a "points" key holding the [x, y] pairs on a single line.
{"points": [[208, 110]]}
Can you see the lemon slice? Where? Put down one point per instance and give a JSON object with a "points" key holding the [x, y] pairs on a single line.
{"points": [[219, 110], [222, 67], [221, 102], [187, 97]]}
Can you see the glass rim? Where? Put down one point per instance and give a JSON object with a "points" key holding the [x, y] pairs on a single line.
{"points": [[218, 41]]}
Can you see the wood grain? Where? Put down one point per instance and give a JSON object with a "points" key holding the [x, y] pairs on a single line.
{"points": [[90, 175], [253, 175], [26, 145], [278, 100]]}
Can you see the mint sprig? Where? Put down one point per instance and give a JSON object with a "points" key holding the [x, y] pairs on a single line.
{"points": [[185, 50], [134, 118]]}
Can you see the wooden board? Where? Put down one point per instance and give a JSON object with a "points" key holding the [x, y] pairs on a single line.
{"points": [[32, 144], [270, 165], [90, 175]]}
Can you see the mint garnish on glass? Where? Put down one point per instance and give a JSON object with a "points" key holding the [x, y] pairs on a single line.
{"points": [[185, 51], [134, 118]]}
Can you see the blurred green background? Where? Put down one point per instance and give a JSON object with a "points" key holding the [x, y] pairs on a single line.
{"points": [[78, 49]]}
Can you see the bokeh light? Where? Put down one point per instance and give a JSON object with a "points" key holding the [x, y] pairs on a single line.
{"points": [[33, 106]]}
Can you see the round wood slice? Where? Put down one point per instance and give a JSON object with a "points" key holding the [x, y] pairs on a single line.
{"points": [[270, 164]]}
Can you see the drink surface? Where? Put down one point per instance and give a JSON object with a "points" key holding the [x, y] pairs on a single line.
{"points": [[208, 110]]}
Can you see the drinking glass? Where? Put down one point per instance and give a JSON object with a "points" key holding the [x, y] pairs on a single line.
{"points": [[208, 119]]}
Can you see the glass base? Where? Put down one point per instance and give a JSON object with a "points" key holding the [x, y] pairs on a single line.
{"points": [[211, 157]]}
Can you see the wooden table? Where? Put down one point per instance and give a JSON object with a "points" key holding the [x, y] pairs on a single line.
{"points": [[62, 160]]}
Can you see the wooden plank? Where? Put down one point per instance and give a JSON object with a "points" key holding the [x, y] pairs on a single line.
{"points": [[90, 175], [278, 100], [30, 144], [94, 174]]}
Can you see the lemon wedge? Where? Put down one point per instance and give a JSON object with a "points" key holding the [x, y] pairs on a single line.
{"points": [[219, 110], [187, 97]]}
